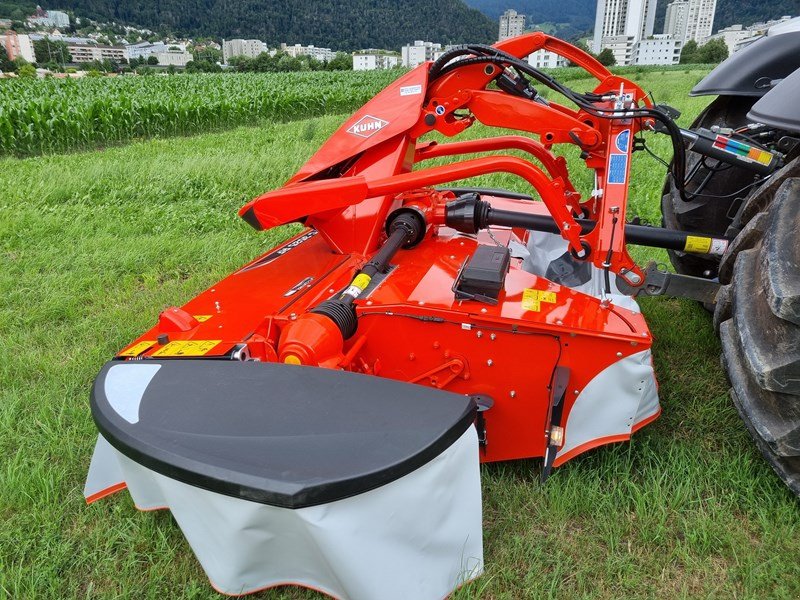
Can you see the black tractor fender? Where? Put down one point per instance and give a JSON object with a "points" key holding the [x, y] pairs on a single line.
{"points": [[754, 70], [779, 108]]}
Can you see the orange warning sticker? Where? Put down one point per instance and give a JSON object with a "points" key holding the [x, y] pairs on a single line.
{"points": [[186, 348], [137, 348], [532, 299]]}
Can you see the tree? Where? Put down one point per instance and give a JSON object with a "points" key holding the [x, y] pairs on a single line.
{"points": [[27, 71], [7, 65], [47, 50], [689, 53], [152, 59], [207, 54], [341, 62], [606, 57], [714, 51]]}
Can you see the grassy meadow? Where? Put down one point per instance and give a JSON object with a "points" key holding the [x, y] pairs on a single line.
{"points": [[93, 245]]}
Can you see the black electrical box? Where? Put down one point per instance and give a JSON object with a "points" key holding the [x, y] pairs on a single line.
{"points": [[483, 275]]}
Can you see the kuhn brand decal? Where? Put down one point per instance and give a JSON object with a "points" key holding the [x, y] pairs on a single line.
{"points": [[367, 126], [280, 251]]}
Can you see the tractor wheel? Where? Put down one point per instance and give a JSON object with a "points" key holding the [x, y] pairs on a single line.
{"points": [[711, 214], [758, 318]]}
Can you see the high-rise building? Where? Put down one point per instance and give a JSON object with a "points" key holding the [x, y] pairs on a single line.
{"points": [[700, 20], [17, 45], [417, 53], [239, 47], [623, 18], [675, 20], [512, 24], [690, 20]]}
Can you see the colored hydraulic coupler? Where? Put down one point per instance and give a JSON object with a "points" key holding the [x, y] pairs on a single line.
{"points": [[731, 151], [317, 337]]}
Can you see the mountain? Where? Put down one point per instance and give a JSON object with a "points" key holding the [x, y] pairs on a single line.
{"points": [[342, 25], [570, 16]]}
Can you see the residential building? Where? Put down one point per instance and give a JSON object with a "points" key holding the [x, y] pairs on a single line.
{"points": [[512, 24], [675, 22], [544, 59], [657, 50], [84, 53], [320, 54], [775, 27], [732, 36], [616, 19], [419, 52], [239, 47], [621, 47], [174, 56], [145, 49], [700, 20], [49, 18], [17, 45], [370, 61]]}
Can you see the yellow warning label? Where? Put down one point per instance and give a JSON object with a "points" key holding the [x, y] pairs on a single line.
{"points": [[202, 318], [361, 281], [137, 348], [532, 299], [699, 245], [186, 348]]}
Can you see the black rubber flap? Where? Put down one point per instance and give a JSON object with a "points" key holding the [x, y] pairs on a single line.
{"points": [[276, 434]]}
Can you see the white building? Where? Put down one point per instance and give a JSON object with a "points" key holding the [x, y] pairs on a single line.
{"points": [[320, 54], [417, 53], [657, 50], [370, 61], [544, 59], [621, 47], [239, 47], [732, 36], [17, 45], [49, 18], [174, 56], [145, 49], [675, 19], [615, 19], [512, 24], [84, 53], [700, 20], [758, 30]]}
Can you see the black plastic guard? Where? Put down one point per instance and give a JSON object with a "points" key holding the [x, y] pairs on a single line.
{"points": [[749, 71], [271, 433]]}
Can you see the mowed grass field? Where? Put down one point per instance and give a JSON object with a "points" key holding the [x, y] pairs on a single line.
{"points": [[94, 245]]}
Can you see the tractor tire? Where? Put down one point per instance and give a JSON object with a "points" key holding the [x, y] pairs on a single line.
{"points": [[712, 215], [758, 318]]}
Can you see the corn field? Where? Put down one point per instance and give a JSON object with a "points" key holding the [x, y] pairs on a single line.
{"points": [[56, 115]]}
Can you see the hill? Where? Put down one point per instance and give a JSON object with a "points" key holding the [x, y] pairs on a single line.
{"points": [[342, 24]]}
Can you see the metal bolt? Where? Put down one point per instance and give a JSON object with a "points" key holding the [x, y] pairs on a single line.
{"points": [[513, 393], [483, 310], [619, 354], [489, 362], [493, 337], [293, 316], [479, 334]]}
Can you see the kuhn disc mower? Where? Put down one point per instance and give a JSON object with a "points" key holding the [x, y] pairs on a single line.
{"points": [[318, 417]]}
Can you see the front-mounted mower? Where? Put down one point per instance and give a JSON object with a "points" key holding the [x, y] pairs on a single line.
{"points": [[318, 417]]}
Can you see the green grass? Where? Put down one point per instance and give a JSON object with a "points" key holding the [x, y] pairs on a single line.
{"points": [[94, 245]]}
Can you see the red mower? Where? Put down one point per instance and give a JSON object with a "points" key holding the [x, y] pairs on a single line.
{"points": [[318, 417]]}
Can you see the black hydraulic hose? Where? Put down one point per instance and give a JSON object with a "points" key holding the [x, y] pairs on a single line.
{"points": [[640, 235]]}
